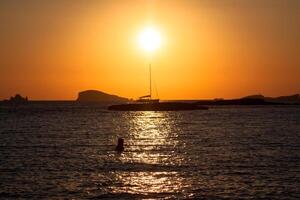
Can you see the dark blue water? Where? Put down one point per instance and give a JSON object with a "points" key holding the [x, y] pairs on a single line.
{"points": [[66, 151]]}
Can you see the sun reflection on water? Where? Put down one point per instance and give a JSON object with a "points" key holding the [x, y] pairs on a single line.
{"points": [[151, 138], [147, 183], [150, 150]]}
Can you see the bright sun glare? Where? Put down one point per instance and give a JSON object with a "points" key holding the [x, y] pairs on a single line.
{"points": [[149, 39]]}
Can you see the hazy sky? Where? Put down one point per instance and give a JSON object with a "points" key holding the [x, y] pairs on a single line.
{"points": [[51, 49]]}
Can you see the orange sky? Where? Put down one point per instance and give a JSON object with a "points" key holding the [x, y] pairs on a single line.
{"points": [[53, 49]]}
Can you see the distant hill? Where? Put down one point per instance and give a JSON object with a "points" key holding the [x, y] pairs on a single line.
{"points": [[255, 100], [255, 96], [17, 99], [291, 99], [98, 96], [243, 101]]}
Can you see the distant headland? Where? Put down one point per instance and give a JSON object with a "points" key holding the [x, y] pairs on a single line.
{"points": [[17, 99], [98, 96], [255, 100]]}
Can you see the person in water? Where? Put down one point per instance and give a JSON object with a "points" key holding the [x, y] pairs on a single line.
{"points": [[120, 146]]}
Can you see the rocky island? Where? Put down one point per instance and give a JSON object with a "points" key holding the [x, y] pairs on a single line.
{"points": [[17, 99], [98, 96]]}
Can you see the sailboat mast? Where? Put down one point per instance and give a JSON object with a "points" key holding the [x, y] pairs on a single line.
{"points": [[150, 80]]}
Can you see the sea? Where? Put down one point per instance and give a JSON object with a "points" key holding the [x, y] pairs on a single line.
{"points": [[66, 150]]}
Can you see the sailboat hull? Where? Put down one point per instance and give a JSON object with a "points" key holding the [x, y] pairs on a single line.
{"points": [[165, 106]]}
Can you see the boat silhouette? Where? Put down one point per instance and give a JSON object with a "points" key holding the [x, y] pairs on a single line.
{"points": [[146, 103]]}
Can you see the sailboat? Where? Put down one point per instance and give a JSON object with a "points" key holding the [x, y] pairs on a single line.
{"points": [[148, 98], [146, 103]]}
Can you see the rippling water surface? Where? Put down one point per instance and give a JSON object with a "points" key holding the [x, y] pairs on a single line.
{"points": [[66, 150]]}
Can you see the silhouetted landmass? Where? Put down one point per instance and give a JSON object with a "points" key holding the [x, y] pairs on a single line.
{"points": [[17, 99], [291, 99], [235, 102], [98, 96], [255, 100], [255, 96]]}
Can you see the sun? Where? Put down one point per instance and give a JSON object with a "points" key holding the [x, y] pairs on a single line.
{"points": [[150, 39]]}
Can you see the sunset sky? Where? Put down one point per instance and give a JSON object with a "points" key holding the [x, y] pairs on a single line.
{"points": [[52, 49]]}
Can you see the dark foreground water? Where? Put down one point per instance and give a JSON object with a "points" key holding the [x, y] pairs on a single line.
{"points": [[66, 151]]}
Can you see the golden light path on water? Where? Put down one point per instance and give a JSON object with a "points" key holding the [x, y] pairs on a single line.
{"points": [[66, 151], [151, 144]]}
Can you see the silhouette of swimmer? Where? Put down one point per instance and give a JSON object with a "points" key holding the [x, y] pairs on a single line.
{"points": [[120, 146]]}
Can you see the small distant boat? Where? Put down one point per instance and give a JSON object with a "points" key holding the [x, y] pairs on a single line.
{"points": [[146, 103], [147, 99]]}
